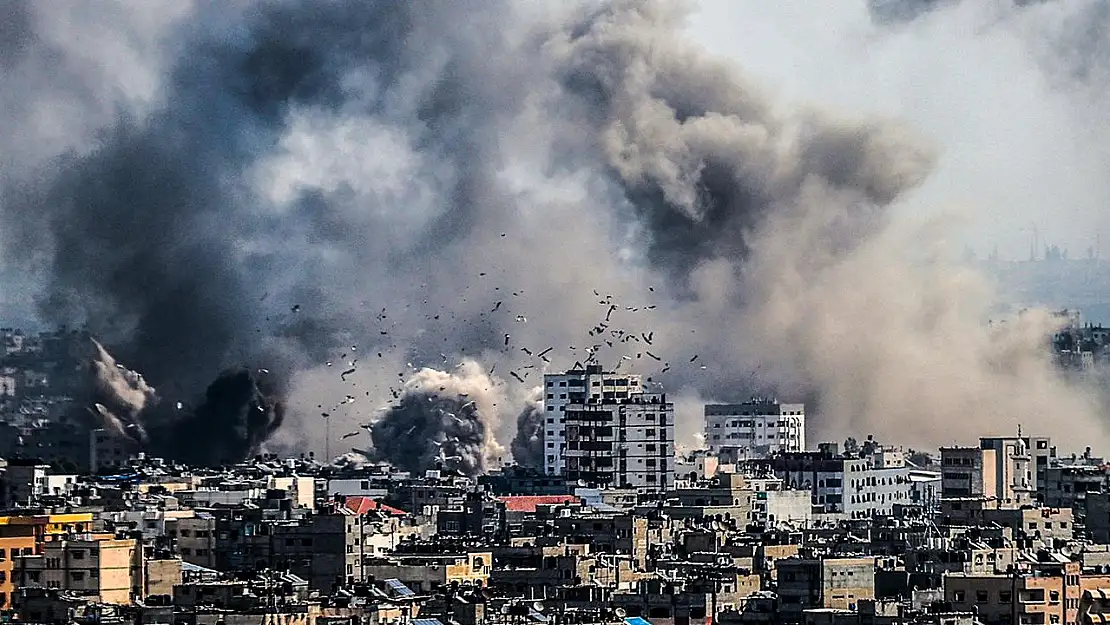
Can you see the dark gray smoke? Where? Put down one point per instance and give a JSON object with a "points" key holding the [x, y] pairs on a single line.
{"points": [[374, 184], [441, 420], [527, 444], [902, 11], [228, 424]]}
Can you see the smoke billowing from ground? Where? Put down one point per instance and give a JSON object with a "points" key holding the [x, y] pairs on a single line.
{"points": [[441, 420], [228, 424], [527, 444], [431, 182]]}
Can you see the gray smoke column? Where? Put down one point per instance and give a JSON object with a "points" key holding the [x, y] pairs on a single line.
{"points": [[228, 424], [442, 419], [527, 444]]}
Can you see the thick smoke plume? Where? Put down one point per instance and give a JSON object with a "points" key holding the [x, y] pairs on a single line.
{"points": [[441, 420], [337, 190], [229, 423], [527, 445]]}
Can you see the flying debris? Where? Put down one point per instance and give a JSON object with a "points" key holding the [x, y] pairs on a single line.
{"points": [[349, 435]]}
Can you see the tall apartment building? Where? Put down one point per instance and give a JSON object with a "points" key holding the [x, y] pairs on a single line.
{"points": [[755, 429], [1002, 468], [602, 429], [577, 386]]}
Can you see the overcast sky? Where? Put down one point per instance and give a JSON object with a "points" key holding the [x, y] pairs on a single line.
{"points": [[1014, 98]]}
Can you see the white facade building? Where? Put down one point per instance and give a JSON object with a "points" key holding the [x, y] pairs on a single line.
{"points": [[755, 429], [577, 386], [621, 443]]}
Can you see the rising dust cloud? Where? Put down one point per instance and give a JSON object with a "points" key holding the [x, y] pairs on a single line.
{"points": [[409, 203]]}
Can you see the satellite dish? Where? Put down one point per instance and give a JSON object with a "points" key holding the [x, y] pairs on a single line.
{"points": [[505, 609], [620, 612], [537, 606]]}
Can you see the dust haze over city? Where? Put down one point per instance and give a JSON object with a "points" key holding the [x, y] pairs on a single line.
{"points": [[387, 220]]}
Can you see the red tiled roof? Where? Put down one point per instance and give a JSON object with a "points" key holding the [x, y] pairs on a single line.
{"points": [[528, 503], [362, 505]]}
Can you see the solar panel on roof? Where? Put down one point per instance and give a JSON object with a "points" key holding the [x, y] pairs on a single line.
{"points": [[401, 590], [426, 621]]}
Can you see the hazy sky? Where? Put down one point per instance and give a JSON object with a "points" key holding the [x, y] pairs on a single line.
{"points": [[1016, 100]]}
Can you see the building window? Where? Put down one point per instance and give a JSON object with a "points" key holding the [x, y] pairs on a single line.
{"points": [[1005, 596], [981, 596], [959, 596]]}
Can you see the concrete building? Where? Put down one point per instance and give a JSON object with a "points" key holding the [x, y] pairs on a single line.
{"points": [[1046, 592], [776, 508], [1014, 476], [91, 566], [24, 481], [300, 489], [1097, 517], [195, 539], [755, 429], [625, 442], [861, 486], [24, 536], [426, 573], [1069, 485], [967, 472], [1001, 468], [839, 583], [590, 384], [108, 452]]}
